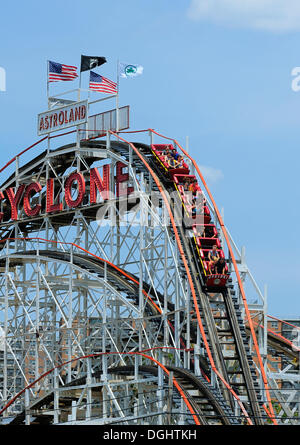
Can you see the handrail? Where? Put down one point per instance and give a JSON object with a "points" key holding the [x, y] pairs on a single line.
{"points": [[53, 137], [284, 322], [33, 145], [282, 338], [21, 153]]}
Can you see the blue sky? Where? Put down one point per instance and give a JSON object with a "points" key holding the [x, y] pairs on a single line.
{"points": [[217, 71]]}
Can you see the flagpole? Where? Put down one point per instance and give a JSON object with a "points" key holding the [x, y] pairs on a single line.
{"points": [[117, 99], [88, 99], [48, 83], [79, 86], [79, 78], [48, 140], [78, 98]]}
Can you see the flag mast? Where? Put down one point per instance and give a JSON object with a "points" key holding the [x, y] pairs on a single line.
{"points": [[79, 89], [48, 104], [48, 83], [117, 99]]}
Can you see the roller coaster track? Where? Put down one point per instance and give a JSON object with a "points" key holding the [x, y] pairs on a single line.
{"points": [[204, 313], [124, 281], [218, 321], [207, 397], [207, 405], [121, 280]]}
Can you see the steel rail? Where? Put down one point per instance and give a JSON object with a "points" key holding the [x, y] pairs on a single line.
{"points": [[284, 322], [33, 145], [280, 338], [21, 153]]}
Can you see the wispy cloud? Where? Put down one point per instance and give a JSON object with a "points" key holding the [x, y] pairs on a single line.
{"points": [[211, 175], [269, 15]]}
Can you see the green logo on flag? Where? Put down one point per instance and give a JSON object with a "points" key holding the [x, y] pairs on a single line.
{"points": [[130, 70]]}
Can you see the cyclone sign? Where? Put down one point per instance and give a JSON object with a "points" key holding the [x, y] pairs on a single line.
{"points": [[89, 187]]}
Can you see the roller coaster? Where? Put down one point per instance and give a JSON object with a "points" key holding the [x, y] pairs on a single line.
{"points": [[113, 307]]}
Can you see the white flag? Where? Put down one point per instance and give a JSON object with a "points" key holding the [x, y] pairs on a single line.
{"points": [[130, 70]]}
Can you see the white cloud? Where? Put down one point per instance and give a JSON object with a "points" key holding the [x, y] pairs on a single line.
{"points": [[269, 15], [210, 174]]}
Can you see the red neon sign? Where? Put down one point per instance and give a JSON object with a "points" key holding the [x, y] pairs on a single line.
{"points": [[74, 184]]}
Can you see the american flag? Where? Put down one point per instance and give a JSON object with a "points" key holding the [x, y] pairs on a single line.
{"points": [[101, 84], [57, 72]]}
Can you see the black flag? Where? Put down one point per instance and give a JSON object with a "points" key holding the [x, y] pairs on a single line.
{"points": [[89, 62]]}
